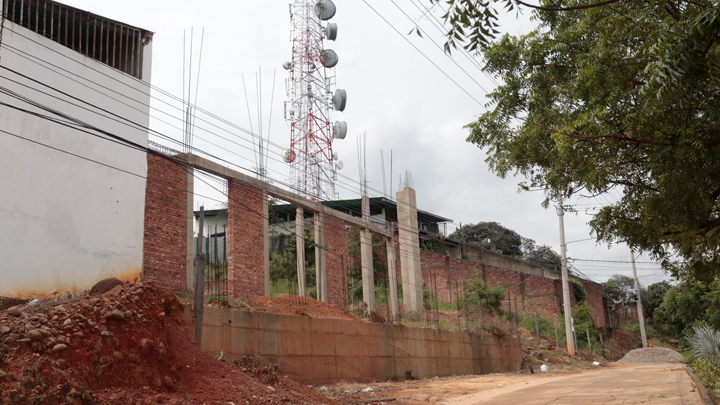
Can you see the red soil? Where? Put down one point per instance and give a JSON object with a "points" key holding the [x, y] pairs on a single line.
{"points": [[130, 346], [293, 305]]}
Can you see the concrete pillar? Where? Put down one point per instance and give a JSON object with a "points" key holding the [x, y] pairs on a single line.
{"points": [[189, 265], [320, 262], [410, 251], [266, 242], [366, 257], [300, 241], [392, 273]]}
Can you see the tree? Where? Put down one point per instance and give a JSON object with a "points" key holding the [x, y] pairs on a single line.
{"points": [[654, 297], [543, 255], [614, 97], [491, 236], [620, 291]]}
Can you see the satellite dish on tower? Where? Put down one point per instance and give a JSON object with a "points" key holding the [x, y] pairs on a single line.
{"points": [[288, 156], [330, 58], [331, 31], [340, 165], [336, 155], [340, 130], [340, 99], [287, 65], [325, 9]]}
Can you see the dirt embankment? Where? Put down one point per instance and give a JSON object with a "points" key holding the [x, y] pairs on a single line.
{"points": [[294, 305], [128, 346]]}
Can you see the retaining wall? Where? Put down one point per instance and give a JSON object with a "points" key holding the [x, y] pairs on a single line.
{"points": [[322, 351]]}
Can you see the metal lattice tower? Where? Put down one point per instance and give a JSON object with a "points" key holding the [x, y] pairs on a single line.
{"points": [[313, 164]]}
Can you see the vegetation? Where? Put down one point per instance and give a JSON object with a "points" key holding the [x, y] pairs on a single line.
{"points": [[603, 96], [579, 290], [283, 267], [482, 297], [705, 344], [689, 304], [495, 237]]}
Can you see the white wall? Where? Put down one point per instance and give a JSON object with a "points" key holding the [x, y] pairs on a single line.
{"points": [[66, 223]]}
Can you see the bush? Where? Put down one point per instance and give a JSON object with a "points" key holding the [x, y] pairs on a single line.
{"points": [[481, 297], [579, 290]]}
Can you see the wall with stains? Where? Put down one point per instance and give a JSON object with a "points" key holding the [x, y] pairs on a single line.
{"points": [[72, 204]]}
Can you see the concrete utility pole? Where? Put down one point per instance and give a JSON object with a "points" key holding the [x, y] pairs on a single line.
{"points": [[565, 280], [641, 317]]}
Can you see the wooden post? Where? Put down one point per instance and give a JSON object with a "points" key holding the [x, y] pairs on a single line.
{"points": [[588, 335], [537, 329], [557, 341], [199, 283]]}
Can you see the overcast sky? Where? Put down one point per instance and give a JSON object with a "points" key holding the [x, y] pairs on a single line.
{"points": [[395, 95]]}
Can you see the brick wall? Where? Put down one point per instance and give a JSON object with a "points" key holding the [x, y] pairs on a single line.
{"points": [[337, 262], [595, 302], [246, 274], [164, 251]]}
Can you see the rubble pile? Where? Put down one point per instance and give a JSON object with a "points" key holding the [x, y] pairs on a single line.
{"points": [[129, 345]]}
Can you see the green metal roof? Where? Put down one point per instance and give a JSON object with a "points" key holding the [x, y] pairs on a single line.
{"points": [[353, 206]]}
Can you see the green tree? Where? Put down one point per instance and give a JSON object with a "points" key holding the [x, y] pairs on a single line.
{"points": [[622, 97], [620, 291], [480, 296], [654, 297], [491, 236], [543, 255], [579, 290], [689, 304]]}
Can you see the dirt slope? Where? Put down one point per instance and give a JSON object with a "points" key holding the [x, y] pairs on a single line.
{"points": [[128, 346]]}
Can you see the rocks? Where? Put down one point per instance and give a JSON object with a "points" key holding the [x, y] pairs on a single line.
{"points": [[67, 322], [651, 355], [106, 285], [168, 382], [114, 314], [14, 311], [35, 335], [4, 330], [59, 348], [146, 347]]}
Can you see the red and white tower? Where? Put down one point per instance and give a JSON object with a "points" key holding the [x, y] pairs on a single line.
{"points": [[313, 164]]}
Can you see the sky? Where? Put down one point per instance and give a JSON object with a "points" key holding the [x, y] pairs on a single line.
{"points": [[404, 93]]}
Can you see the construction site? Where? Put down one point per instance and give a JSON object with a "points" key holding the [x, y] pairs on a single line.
{"points": [[119, 286]]}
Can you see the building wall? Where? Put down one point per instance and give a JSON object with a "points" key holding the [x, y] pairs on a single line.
{"points": [[246, 274], [73, 221], [324, 351], [165, 224]]}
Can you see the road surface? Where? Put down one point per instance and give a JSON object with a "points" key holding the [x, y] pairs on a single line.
{"points": [[617, 384]]}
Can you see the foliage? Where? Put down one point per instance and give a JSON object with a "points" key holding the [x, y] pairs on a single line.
{"points": [[689, 304], [705, 344], [620, 291], [579, 289], [583, 322], [495, 237], [482, 297], [654, 297], [617, 98], [283, 266], [708, 372]]}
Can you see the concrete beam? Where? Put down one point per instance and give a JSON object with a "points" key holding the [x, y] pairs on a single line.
{"points": [[366, 258], [392, 274], [320, 259], [216, 169], [266, 242], [300, 243], [189, 265], [410, 251]]}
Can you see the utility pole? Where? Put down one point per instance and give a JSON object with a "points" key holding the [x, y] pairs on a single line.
{"points": [[565, 280], [641, 317]]}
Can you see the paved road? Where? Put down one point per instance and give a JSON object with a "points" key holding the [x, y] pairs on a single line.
{"points": [[618, 384]]}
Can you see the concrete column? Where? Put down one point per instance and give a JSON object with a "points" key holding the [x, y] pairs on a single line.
{"points": [[189, 265], [266, 242], [392, 273], [410, 251], [320, 262], [300, 241], [366, 257]]}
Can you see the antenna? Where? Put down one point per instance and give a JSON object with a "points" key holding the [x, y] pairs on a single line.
{"points": [[313, 164]]}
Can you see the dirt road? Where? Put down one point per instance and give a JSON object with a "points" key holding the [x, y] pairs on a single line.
{"points": [[611, 384], [626, 384]]}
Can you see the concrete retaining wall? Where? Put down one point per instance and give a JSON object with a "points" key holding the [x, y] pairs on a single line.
{"points": [[320, 351]]}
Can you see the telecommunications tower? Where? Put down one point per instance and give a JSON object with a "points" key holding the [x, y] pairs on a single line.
{"points": [[313, 164]]}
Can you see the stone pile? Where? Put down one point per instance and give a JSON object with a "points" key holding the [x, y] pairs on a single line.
{"points": [[651, 355]]}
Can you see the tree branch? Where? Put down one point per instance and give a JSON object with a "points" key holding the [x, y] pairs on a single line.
{"points": [[603, 3]]}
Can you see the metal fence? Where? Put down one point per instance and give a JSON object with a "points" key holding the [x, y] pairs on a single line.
{"points": [[214, 246]]}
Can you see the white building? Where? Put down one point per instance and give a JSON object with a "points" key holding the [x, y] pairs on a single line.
{"points": [[72, 202]]}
